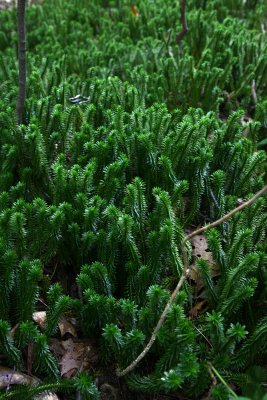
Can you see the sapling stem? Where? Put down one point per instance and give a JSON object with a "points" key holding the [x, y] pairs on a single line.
{"points": [[20, 108]]}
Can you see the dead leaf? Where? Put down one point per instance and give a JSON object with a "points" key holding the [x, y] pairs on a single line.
{"points": [[197, 309], [73, 356], [134, 11], [40, 318], [74, 359], [65, 326], [10, 377], [57, 348], [200, 250]]}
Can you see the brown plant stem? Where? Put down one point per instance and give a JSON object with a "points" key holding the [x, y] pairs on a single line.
{"points": [[184, 30], [213, 381], [22, 60], [253, 91], [184, 276]]}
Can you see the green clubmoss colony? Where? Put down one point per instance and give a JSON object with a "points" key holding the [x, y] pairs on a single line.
{"points": [[104, 190]]}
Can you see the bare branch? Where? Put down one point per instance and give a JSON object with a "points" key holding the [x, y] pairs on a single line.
{"points": [[229, 215], [184, 30], [157, 328], [213, 381], [22, 59], [185, 274], [253, 91]]}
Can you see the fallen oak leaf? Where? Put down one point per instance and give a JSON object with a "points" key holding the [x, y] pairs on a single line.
{"points": [[75, 358], [73, 355]]}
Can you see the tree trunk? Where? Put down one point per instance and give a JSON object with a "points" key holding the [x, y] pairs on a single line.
{"points": [[22, 60]]}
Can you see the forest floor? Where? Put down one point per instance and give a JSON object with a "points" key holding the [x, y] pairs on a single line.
{"points": [[63, 347]]}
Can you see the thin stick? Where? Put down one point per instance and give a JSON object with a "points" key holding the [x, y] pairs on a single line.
{"points": [[184, 30], [202, 334], [214, 370], [213, 379], [157, 328], [229, 215], [253, 91], [22, 60], [185, 274]]}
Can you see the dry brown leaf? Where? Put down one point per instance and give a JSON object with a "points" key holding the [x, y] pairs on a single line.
{"points": [[200, 250], [40, 318], [73, 355], [134, 11], [75, 358], [10, 377], [65, 326], [57, 348], [197, 309]]}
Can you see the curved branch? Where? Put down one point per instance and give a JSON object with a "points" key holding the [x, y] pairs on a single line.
{"points": [[184, 30], [185, 274]]}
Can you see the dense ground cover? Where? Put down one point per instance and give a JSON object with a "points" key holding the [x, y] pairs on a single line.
{"points": [[97, 196]]}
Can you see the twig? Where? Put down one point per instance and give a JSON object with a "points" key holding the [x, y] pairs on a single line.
{"points": [[184, 276], [214, 370], [22, 60], [157, 328], [202, 334], [213, 379], [253, 91], [78, 395], [214, 199], [10, 378], [184, 30], [227, 216]]}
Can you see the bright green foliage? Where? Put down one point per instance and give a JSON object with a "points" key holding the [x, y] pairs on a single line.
{"points": [[103, 191]]}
